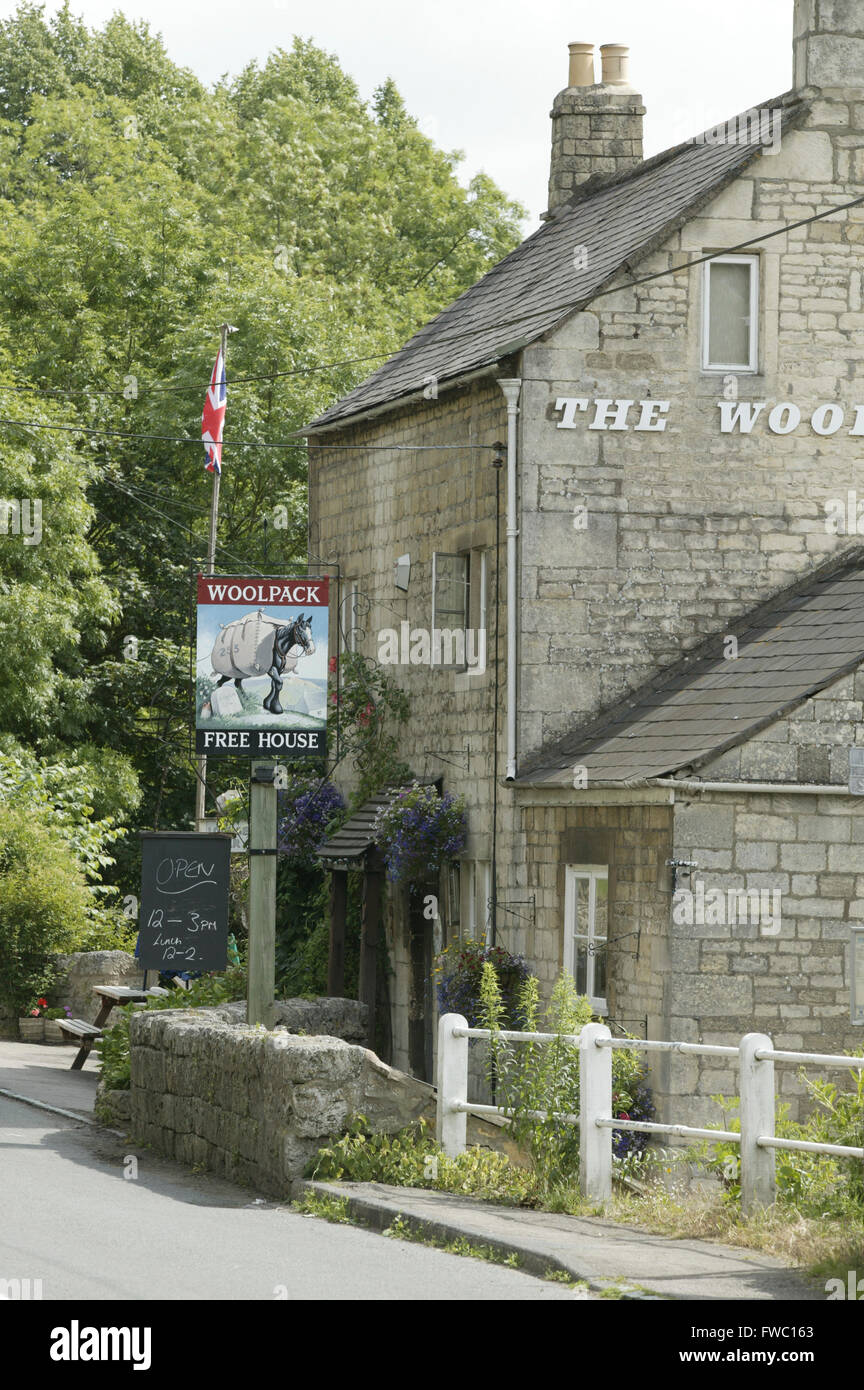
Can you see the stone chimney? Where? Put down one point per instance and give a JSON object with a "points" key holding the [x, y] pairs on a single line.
{"points": [[829, 44], [596, 126]]}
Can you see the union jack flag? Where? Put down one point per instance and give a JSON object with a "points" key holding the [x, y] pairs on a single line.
{"points": [[213, 418]]}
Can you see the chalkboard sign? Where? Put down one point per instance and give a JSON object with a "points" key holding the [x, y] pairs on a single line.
{"points": [[184, 901]]}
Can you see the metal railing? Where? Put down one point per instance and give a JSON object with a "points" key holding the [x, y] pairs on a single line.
{"points": [[755, 1055]]}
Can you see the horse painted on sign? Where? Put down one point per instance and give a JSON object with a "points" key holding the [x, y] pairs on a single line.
{"points": [[272, 656]]}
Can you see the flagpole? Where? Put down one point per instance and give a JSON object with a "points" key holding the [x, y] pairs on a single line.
{"points": [[201, 760]]}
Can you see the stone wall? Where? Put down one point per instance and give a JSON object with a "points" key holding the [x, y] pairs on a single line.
{"points": [[251, 1105], [635, 841], [688, 527], [729, 979], [80, 971]]}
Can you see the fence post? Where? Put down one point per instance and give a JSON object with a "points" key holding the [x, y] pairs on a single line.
{"points": [[595, 1103], [451, 1126], [756, 1088]]}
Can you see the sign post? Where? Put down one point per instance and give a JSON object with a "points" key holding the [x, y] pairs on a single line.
{"points": [[261, 986], [261, 692]]}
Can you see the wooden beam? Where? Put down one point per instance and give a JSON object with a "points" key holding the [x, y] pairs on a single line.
{"points": [[338, 920], [373, 895]]}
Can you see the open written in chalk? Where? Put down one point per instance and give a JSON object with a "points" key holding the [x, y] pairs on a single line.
{"points": [[184, 901]]}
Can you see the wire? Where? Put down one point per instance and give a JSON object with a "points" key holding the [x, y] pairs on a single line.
{"points": [[145, 390], [235, 443], [563, 305]]}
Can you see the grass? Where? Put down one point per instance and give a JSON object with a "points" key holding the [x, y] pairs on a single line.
{"points": [[327, 1207], [821, 1247]]}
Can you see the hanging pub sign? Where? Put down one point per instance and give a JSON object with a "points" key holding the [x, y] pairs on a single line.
{"points": [[261, 672]]}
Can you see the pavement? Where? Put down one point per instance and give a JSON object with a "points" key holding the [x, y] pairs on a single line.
{"points": [[609, 1257], [90, 1216], [41, 1072]]}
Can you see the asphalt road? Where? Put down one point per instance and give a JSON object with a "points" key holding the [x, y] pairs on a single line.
{"points": [[70, 1218]]}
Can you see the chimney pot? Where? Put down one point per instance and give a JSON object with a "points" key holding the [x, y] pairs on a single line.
{"points": [[615, 59], [581, 65], [596, 126]]}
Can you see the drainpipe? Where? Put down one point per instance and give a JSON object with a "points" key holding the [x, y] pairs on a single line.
{"points": [[511, 386]]}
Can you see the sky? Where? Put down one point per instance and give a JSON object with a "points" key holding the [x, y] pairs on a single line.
{"points": [[480, 75]]}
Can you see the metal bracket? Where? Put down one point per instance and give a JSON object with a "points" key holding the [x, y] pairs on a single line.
{"points": [[523, 902], [676, 864]]}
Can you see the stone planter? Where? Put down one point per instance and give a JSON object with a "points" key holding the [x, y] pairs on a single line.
{"points": [[52, 1031], [31, 1029]]}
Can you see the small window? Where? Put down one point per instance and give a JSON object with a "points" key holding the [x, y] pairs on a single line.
{"points": [[476, 899], [453, 885], [730, 336], [459, 586], [586, 915]]}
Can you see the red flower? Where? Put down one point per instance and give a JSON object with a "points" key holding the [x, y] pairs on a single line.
{"points": [[623, 1115], [333, 665], [43, 1003]]}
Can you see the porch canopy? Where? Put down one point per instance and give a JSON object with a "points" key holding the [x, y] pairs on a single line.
{"points": [[353, 848]]}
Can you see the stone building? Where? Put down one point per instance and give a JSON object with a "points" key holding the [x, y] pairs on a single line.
{"points": [[663, 556]]}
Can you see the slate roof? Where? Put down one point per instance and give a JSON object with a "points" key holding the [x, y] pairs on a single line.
{"points": [[536, 287], [354, 838], [789, 648]]}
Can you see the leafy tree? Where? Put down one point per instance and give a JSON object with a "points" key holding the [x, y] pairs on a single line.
{"points": [[139, 209]]}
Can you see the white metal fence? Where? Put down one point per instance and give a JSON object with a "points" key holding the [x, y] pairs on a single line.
{"points": [[755, 1055]]}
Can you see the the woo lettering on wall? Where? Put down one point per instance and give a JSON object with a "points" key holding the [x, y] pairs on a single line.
{"points": [[736, 417], [261, 666]]}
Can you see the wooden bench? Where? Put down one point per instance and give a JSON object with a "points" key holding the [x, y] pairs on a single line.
{"points": [[110, 997], [79, 1030]]}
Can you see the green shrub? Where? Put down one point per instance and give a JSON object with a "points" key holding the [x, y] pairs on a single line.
{"points": [[544, 1077], [45, 905], [814, 1185], [411, 1158]]}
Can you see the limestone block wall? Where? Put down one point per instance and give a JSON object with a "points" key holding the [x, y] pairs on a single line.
{"points": [[369, 507], [635, 841], [689, 527], [727, 979], [255, 1106]]}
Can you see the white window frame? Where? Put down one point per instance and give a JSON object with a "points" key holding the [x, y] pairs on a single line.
{"points": [[477, 898], [591, 872], [856, 977], [752, 365]]}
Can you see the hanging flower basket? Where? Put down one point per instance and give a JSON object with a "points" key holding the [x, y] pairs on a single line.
{"points": [[308, 809], [419, 832], [459, 971]]}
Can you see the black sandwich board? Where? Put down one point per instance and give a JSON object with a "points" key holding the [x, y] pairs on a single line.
{"points": [[183, 920]]}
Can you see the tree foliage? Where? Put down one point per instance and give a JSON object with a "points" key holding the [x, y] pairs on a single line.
{"points": [[139, 209]]}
